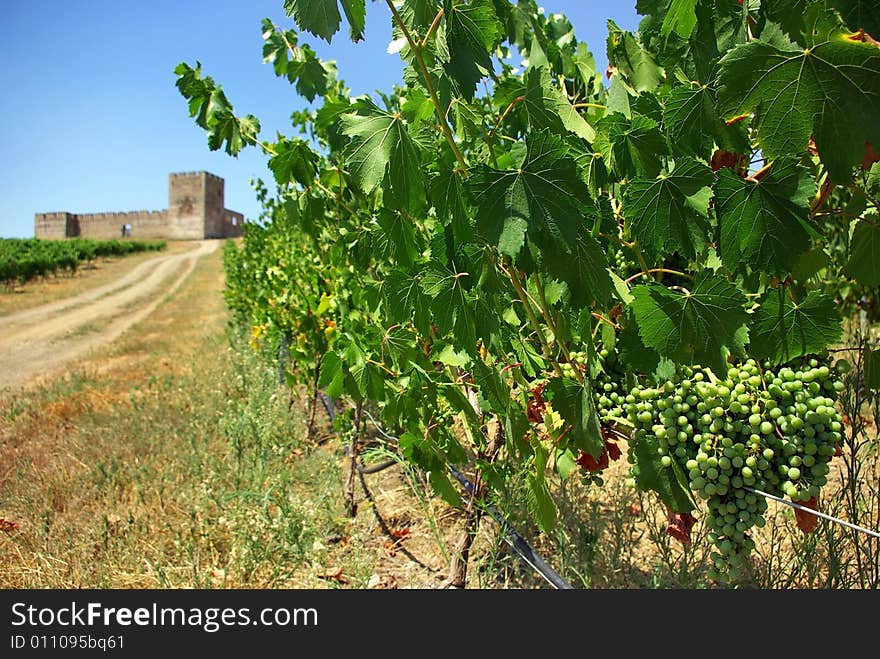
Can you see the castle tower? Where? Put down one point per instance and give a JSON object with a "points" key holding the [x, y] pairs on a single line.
{"points": [[192, 199]]}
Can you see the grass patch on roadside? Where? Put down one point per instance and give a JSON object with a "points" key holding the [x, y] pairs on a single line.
{"points": [[172, 461]]}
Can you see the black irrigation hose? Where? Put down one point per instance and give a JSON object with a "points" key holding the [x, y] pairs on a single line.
{"points": [[523, 548], [514, 539]]}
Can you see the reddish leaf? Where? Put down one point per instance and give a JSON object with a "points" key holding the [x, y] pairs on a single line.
{"points": [[871, 156], [8, 526], [400, 534], [807, 522], [589, 463], [733, 161], [680, 525]]}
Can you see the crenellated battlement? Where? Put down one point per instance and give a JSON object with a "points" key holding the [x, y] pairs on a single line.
{"points": [[195, 211]]}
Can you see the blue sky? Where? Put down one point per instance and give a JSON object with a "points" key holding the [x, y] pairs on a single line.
{"points": [[92, 120]]}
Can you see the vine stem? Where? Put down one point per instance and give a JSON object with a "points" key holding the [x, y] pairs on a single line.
{"points": [[426, 75], [513, 104], [551, 323], [433, 28], [653, 270], [533, 319]]}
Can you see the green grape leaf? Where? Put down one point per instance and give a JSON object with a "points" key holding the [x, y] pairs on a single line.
{"points": [[332, 375], [670, 213], [584, 270], [864, 260], [322, 17], [576, 406], [223, 126], [396, 238], [763, 222], [632, 61], [548, 108], [197, 90], [694, 124], [782, 329], [538, 497], [829, 91], [633, 352], [420, 13], [308, 73], [213, 112], [632, 147], [493, 390], [681, 17], [406, 301], [668, 482], [451, 306], [382, 151], [448, 196], [691, 327], [472, 29], [789, 14], [422, 453], [544, 196], [293, 160]]}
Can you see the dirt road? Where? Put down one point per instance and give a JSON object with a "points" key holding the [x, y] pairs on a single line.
{"points": [[40, 340]]}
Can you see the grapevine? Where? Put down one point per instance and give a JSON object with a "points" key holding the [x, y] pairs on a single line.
{"points": [[538, 267]]}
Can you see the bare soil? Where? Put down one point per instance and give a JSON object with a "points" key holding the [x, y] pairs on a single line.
{"points": [[36, 343]]}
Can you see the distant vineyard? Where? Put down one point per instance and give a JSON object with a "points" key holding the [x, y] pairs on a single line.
{"points": [[24, 259]]}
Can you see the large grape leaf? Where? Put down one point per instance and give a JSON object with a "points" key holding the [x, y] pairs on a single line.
{"points": [[406, 301], [693, 122], [322, 17], [830, 90], [632, 61], [451, 306], [382, 151], [585, 271], [789, 14], [447, 194], [544, 196], [395, 237], [681, 17], [670, 213], [576, 406], [762, 221], [549, 109], [864, 260], [694, 326], [631, 147], [782, 329], [293, 160], [472, 29]]}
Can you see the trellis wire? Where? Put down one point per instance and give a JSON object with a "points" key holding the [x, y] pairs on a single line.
{"points": [[792, 504]]}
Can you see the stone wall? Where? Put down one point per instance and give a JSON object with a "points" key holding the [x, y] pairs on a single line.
{"points": [[195, 211]]}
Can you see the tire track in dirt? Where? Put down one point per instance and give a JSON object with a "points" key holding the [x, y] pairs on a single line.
{"points": [[40, 340]]}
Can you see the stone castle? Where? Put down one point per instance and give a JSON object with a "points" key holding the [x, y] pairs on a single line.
{"points": [[195, 211]]}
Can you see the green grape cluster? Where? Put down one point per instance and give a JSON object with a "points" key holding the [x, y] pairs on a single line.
{"points": [[772, 431], [608, 385], [621, 262]]}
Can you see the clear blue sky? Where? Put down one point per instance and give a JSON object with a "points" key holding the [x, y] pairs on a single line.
{"points": [[92, 120]]}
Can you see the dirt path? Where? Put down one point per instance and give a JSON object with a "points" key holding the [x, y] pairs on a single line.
{"points": [[38, 341]]}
